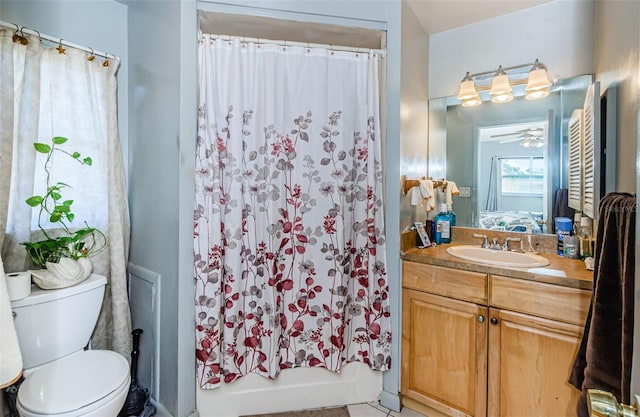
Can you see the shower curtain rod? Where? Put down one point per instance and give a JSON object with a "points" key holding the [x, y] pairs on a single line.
{"points": [[294, 43], [22, 30]]}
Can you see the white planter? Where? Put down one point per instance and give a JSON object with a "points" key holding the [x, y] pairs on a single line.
{"points": [[65, 273]]}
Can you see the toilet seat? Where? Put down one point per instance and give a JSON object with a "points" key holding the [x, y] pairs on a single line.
{"points": [[76, 385]]}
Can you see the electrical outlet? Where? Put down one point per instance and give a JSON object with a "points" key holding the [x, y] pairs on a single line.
{"points": [[465, 191]]}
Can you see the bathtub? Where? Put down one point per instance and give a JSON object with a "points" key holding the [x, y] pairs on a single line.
{"points": [[294, 389]]}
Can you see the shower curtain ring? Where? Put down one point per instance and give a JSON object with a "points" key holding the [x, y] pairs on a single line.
{"points": [[39, 36], [16, 36], [92, 56], [60, 49], [23, 39]]}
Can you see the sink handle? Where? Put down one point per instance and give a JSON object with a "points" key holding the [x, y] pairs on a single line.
{"points": [[495, 244], [505, 245], [485, 240]]}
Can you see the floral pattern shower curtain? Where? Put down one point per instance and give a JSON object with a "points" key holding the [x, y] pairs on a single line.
{"points": [[289, 241]]}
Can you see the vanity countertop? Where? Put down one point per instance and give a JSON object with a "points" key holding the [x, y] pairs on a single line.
{"points": [[561, 271]]}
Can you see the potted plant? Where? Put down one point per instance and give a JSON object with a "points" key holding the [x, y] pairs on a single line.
{"points": [[62, 259]]}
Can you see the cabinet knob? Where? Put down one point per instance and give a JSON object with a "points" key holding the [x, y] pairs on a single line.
{"points": [[494, 320], [480, 319]]}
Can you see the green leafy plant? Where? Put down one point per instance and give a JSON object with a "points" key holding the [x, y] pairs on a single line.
{"points": [[73, 244]]}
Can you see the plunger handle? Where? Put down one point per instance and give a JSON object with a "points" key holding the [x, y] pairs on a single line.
{"points": [[134, 356]]}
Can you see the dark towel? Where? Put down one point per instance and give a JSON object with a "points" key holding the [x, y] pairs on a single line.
{"points": [[560, 207], [603, 360]]}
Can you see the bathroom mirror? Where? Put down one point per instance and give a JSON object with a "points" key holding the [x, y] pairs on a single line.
{"points": [[509, 159]]}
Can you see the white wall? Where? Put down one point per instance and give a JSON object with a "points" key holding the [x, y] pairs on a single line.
{"points": [[617, 62], [162, 44], [559, 33], [414, 123]]}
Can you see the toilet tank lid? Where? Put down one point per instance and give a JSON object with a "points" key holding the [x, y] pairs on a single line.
{"points": [[73, 382], [38, 295]]}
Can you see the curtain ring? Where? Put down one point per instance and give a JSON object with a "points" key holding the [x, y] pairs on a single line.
{"points": [[23, 39], [16, 36], [106, 61], [39, 36], [60, 49], [92, 56]]}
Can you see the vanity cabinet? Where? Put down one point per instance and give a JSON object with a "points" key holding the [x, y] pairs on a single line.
{"points": [[476, 344], [529, 365], [445, 347]]}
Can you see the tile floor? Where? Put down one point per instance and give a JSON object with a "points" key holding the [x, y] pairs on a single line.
{"points": [[374, 409]]}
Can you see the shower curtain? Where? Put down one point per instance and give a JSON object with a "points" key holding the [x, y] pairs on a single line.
{"points": [[46, 92], [492, 194], [289, 248]]}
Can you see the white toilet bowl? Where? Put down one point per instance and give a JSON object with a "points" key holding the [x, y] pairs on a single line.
{"points": [[87, 383]]}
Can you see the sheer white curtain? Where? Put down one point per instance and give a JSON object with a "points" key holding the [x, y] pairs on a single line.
{"points": [[290, 266], [45, 93]]}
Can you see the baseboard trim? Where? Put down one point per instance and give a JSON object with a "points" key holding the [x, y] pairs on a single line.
{"points": [[390, 400], [163, 412]]}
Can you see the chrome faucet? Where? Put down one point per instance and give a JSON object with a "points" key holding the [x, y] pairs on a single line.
{"points": [[485, 240], [505, 245], [494, 244]]}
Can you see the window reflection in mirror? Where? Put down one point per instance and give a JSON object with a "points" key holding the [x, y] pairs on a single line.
{"points": [[512, 156]]}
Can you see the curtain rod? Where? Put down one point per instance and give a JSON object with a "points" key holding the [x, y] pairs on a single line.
{"points": [[294, 43], [23, 30]]}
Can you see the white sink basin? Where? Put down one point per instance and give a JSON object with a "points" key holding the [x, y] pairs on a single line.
{"points": [[497, 257]]}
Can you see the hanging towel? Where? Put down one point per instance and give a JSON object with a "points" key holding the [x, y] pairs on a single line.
{"points": [[603, 360], [10, 356], [416, 196], [426, 187], [451, 189]]}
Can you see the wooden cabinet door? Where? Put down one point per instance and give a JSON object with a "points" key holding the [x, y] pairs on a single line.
{"points": [[529, 365], [444, 353]]}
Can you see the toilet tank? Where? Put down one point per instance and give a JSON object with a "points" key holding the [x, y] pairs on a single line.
{"points": [[54, 323]]}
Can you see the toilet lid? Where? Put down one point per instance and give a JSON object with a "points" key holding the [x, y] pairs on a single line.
{"points": [[73, 382]]}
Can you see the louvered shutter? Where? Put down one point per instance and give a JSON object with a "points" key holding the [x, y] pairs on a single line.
{"points": [[575, 160], [591, 145]]}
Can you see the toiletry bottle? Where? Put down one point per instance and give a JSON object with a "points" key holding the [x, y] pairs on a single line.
{"points": [[563, 228], [443, 225], [576, 222], [452, 214], [570, 245], [585, 238], [529, 234]]}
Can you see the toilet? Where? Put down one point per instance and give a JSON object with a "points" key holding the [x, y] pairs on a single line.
{"points": [[63, 379]]}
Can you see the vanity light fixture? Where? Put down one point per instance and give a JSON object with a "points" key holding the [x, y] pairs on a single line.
{"points": [[501, 91], [467, 92], [502, 81], [538, 82]]}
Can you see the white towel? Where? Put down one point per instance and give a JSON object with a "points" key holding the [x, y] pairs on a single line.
{"points": [[454, 188], [416, 196], [10, 356], [450, 190], [426, 187]]}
